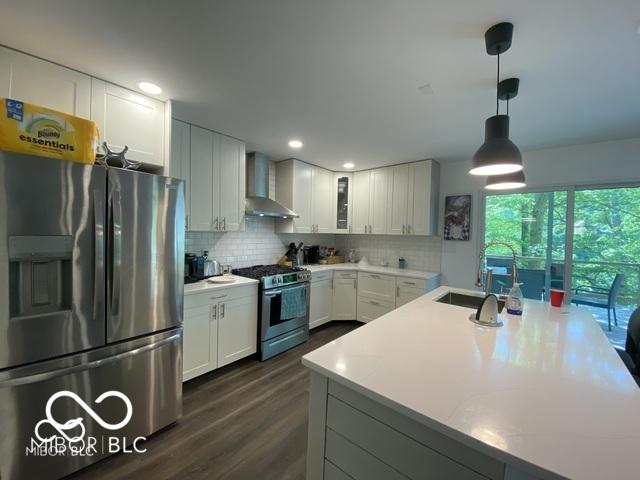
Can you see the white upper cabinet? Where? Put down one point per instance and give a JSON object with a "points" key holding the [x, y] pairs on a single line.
{"points": [[423, 198], [26, 78], [321, 195], [398, 200], [217, 181], [201, 216], [180, 161], [342, 202], [361, 201], [127, 118], [232, 183], [305, 189], [379, 191]]}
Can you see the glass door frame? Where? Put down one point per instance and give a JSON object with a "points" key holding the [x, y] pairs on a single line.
{"points": [[570, 221]]}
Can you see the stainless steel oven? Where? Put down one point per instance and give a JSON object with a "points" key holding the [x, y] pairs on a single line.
{"points": [[280, 330]]}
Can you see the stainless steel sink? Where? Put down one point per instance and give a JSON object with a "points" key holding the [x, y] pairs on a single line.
{"points": [[468, 301]]}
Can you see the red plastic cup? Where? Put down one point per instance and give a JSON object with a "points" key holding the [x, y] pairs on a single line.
{"points": [[556, 297]]}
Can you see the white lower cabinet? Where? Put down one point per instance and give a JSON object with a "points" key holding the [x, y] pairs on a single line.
{"points": [[369, 309], [321, 300], [345, 296], [199, 341], [377, 286], [220, 327], [236, 333], [408, 289]]}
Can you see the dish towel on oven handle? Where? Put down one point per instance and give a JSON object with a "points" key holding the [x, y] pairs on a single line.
{"points": [[293, 303]]}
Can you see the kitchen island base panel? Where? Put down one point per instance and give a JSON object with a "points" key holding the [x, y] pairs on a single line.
{"points": [[353, 436]]}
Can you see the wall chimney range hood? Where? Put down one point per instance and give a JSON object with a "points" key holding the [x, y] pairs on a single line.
{"points": [[258, 202]]}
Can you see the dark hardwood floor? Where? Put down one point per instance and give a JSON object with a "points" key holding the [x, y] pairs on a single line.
{"points": [[245, 421]]}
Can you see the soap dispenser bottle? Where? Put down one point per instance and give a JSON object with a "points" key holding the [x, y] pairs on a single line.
{"points": [[515, 300]]}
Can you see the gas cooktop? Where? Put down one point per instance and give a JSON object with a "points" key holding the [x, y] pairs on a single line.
{"points": [[274, 275]]}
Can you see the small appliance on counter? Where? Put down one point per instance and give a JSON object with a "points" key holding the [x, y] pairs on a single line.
{"points": [[190, 268], [211, 268], [296, 254], [313, 254]]}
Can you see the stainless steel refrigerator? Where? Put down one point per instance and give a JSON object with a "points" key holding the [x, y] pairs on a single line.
{"points": [[91, 297]]}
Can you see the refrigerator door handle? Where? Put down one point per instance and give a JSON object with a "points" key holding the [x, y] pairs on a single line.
{"points": [[116, 253], [98, 259], [44, 376]]}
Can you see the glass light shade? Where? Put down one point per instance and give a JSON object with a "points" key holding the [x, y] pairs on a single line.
{"points": [[497, 155], [506, 182]]}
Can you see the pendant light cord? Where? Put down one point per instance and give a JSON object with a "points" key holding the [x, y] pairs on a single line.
{"points": [[497, 83]]}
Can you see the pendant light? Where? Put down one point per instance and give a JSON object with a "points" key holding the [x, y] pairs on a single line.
{"points": [[497, 155], [508, 181]]}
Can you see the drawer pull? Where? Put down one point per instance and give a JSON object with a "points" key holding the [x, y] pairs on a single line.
{"points": [[409, 283], [374, 276], [219, 296], [373, 302]]}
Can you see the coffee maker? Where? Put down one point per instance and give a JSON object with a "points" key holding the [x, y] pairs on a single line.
{"points": [[190, 268]]}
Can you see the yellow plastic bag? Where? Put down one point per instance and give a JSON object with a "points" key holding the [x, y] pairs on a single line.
{"points": [[36, 130]]}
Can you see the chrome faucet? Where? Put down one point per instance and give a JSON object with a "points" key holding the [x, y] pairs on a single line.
{"points": [[488, 281]]}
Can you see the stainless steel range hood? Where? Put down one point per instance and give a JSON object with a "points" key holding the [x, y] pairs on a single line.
{"points": [[258, 202]]}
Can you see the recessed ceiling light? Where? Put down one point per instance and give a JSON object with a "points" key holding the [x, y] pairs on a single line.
{"points": [[295, 143], [148, 87], [348, 165]]}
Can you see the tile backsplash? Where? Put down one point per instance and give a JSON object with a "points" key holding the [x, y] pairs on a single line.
{"points": [[259, 244], [420, 253]]}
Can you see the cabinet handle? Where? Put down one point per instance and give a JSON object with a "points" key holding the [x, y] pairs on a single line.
{"points": [[374, 276], [403, 229], [373, 302], [409, 283], [349, 228], [214, 312], [224, 224], [355, 284], [222, 310], [408, 228], [216, 224], [397, 291]]}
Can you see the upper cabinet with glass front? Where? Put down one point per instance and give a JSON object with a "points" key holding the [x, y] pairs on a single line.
{"points": [[343, 201]]}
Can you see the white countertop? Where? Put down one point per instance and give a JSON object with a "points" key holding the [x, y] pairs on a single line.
{"points": [[400, 272], [203, 286], [547, 388]]}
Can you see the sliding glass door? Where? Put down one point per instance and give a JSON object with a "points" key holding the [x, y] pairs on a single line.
{"points": [[585, 241], [535, 225]]}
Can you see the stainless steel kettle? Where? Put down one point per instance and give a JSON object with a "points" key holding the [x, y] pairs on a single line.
{"points": [[212, 268]]}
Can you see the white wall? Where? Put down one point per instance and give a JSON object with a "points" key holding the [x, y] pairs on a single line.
{"points": [[591, 164]]}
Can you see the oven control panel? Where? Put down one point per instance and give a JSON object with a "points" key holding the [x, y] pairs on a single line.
{"points": [[286, 279]]}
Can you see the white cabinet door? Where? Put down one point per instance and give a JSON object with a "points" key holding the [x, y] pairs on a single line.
{"points": [[200, 340], [321, 200], [128, 118], [26, 78], [201, 180], [320, 303], [361, 201], [407, 294], [377, 287], [302, 185], [342, 202], [369, 309], [344, 298], [398, 195], [179, 166], [237, 327], [232, 183], [423, 198], [379, 193]]}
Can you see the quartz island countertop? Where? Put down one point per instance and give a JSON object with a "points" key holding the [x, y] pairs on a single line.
{"points": [[369, 268], [546, 393]]}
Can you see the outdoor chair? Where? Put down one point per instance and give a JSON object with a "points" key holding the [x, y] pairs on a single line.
{"points": [[600, 297]]}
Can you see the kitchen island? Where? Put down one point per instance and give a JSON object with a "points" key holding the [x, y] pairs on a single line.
{"points": [[424, 393]]}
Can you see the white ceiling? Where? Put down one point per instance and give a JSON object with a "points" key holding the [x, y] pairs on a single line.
{"points": [[343, 75]]}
